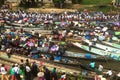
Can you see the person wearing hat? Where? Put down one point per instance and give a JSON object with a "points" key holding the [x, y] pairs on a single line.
{"points": [[17, 72], [41, 75]]}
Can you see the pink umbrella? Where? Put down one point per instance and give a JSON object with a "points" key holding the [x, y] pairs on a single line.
{"points": [[25, 19], [46, 22], [53, 48], [30, 44], [1, 21]]}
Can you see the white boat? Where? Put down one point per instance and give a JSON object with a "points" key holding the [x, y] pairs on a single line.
{"points": [[97, 51], [86, 48], [104, 47]]}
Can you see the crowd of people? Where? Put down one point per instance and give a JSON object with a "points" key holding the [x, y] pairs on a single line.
{"points": [[27, 70], [95, 26]]}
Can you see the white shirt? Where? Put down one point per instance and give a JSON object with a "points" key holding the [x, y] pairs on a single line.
{"points": [[109, 72], [16, 70], [28, 69], [3, 71]]}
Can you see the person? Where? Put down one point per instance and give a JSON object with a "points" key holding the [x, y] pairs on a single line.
{"points": [[34, 69], [106, 51], [46, 73], [109, 73], [4, 73], [94, 40], [40, 75], [27, 72], [8, 51], [92, 64], [63, 76], [90, 45], [100, 69], [11, 72], [17, 72], [54, 74]]}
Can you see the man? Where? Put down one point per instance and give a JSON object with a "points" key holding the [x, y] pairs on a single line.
{"points": [[17, 72], [109, 73], [4, 73], [8, 50], [100, 69], [90, 45]]}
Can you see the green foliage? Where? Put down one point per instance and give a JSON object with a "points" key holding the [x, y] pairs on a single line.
{"points": [[2, 2], [59, 3], [96, 2], [105, 9], [76, 1]]}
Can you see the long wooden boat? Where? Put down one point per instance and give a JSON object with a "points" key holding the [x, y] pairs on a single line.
{"points": [[97, 51], [112, 44], [104, 47], [86, 48]]}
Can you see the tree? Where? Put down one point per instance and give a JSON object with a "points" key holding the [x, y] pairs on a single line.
{"points": [[59, 3], [30, 3], [76, 1], [2, 2]]}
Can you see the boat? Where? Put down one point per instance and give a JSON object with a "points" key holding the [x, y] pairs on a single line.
{"points": [[112, 44], [97, 51], [104, 47]]}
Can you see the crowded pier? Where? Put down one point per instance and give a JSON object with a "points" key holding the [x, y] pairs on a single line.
{"points": [[87, 41]]}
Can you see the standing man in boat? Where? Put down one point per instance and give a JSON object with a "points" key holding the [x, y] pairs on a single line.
{"points": [[90, 45]]}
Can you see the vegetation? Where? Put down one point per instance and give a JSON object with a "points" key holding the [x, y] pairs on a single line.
{"points": [[30, 3], [76, 1], [95, 2], [2, 2], [59, 3], [105, 9]]}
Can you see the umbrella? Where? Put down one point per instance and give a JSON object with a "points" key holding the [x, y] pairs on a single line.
{"points": [[46, 22], [1, 21], [30, 44], [40, 74], [25, 19], [114, 38], [101, 38], [63, 43], [53, 48], [117, 23], [117, 33], [63, 23], [88, 37]]}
